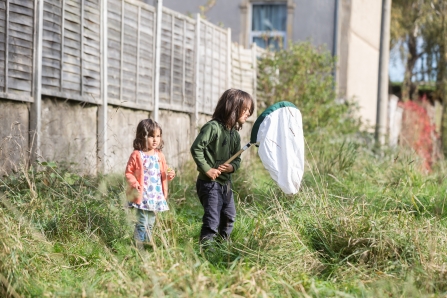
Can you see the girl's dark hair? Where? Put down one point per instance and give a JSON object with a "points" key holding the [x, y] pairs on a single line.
{"points": [[230, 107], [145, 129]]}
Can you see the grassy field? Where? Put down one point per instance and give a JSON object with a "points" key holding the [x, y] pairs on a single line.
{"points": [[366, 223]]}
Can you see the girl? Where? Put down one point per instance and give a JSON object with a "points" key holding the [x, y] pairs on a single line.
{"points": [[217, 141], [147, 177]]}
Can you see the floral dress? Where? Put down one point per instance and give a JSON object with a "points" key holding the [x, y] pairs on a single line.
{"points": [[153, 197]]}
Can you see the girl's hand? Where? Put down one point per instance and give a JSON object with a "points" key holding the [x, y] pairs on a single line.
{"points": [[226, 168], [213, 173], [170, 174]]}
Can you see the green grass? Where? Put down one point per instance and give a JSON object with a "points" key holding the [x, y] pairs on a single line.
{"points": [[366, 223]]}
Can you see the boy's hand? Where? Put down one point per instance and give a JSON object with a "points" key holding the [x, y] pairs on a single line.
{"points": [[226, 168], [213, 173]]}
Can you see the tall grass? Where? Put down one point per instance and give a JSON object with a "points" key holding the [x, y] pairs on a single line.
{"points": [[367, 221], [369, 225]]}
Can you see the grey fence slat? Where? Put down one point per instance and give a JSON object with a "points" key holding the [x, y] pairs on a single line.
{"points": [[52, 63], [21, 28], [19, 84], [25, 3], [17, 50], [91, 64], [21, 67], [52, 6], [19, 36], [21, 75], [20, 42], [20, 10]]}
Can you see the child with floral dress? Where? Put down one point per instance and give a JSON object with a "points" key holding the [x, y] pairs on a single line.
{"points": [[147, 176]]}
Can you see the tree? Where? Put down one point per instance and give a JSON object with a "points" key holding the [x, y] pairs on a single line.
{"points": [[405, 29], [422, 21]]}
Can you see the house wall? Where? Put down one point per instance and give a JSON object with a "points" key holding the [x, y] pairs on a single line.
{"points": [[359, 48], [358, 38], [312, 20]]}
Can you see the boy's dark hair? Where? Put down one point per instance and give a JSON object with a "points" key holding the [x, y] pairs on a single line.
{"points": [[230, 107], [145, 129]]}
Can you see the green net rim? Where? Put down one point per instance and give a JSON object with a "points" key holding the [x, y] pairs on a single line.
{"points": [[268, 111]]}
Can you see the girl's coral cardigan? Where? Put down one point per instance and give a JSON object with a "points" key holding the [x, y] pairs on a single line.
{"points": [[135, 176]]}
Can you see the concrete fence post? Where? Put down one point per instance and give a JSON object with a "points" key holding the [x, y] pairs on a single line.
{"points": [[102, 108], [382, 89], [229, 83], [6, 83], [36, 107], [157, 59], [195, 116], [254, 61]]}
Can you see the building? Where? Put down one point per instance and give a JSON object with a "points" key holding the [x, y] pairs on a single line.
{"points": [[350, 29]]}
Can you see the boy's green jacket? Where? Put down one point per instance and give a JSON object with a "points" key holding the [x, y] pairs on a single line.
{"points": [[213, 146]]}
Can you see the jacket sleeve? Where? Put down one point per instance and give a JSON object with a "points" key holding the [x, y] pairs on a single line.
{"points": [[236, 163], [164, 178], [130, 172], [206, 136]]}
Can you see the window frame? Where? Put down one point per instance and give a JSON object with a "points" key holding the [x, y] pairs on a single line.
{"points": [[252, 34]]}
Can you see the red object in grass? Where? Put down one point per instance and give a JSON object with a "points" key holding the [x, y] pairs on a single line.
{"points": [[418, 131]]}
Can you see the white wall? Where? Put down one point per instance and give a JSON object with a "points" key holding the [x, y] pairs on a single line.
{"points": [[362, 61]]}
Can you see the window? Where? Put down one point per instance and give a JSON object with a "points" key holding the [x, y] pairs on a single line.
{"points": [[268, 26]]}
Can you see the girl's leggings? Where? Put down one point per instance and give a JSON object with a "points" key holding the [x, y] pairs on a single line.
{"points": [[144, 225]]}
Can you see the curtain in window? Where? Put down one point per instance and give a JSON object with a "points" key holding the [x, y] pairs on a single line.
{"points": [[269, 17]]}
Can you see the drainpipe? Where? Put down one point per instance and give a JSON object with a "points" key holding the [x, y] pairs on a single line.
{"points": [[382, 88]]}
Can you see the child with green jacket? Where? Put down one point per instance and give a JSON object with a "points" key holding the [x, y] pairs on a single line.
{"points": [[217, 141]]}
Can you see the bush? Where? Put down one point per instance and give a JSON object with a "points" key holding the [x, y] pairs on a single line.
{"points": [[303, 75]]}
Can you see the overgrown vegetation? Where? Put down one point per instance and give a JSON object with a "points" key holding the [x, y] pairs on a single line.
{"points": [[366, 223]]}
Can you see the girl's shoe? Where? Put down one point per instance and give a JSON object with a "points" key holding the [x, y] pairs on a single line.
{"points": [[139, 244]]}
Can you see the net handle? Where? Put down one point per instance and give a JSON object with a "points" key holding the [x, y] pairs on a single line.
{"points": [[240, 152]]}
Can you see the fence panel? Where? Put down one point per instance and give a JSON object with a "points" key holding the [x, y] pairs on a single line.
{"points": [[242, 71], [91, 59], [213, 66], [51, 46], [71, 49], [16, 49], [177, 62], [71, 61], [131, 47]]}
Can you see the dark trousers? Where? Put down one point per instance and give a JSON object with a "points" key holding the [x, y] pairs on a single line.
{"points": [[219, 211]]}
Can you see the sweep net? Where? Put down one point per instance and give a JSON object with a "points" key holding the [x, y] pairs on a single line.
{"points": [[279, 132]]}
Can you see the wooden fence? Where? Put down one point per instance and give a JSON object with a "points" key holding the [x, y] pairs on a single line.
{"points": [[104, 52]]}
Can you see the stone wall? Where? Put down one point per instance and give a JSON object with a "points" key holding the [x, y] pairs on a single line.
{"points": [[69, 133], [121, 129], [14, 138]]}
